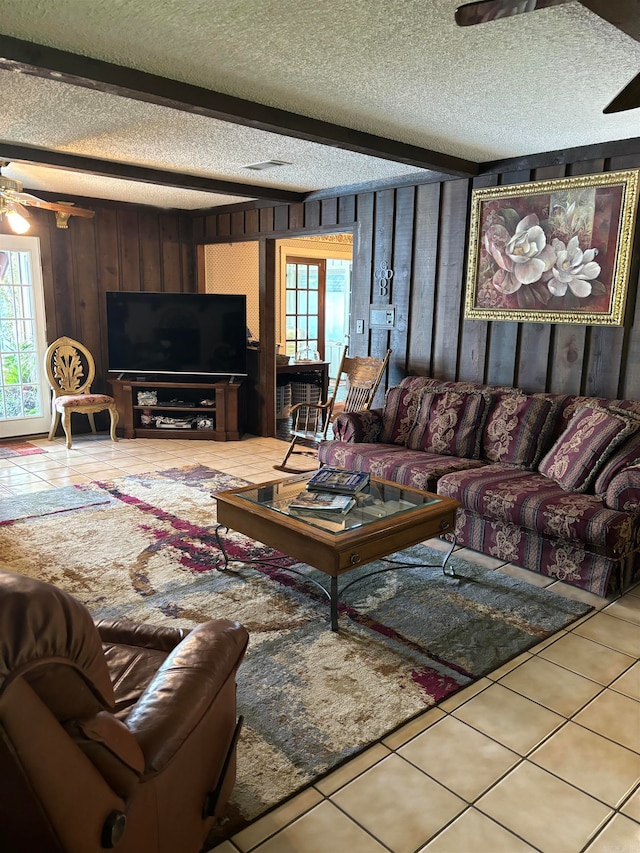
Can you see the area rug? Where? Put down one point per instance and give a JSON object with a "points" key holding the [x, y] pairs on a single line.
{"points": [[18, 448], [143, 547]]}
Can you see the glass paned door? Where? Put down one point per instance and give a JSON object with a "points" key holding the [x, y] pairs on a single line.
{"points": [[24, 393], [304, 305]]}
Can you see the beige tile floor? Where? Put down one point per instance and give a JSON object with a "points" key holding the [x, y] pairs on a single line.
{"points": [[541, 755]]}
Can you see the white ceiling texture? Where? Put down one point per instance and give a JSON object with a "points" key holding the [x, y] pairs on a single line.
{"points": [[344, 93]]}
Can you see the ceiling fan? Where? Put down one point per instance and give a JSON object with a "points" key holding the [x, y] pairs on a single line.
{"points": [[14, 203], [623, 14]]}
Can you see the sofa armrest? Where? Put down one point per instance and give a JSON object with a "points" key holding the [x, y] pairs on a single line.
{"points": [[623, 492], [357, 427], [184, 688]]}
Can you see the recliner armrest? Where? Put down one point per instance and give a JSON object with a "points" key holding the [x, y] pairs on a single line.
{"points": [[160, 637], [184, 688]]}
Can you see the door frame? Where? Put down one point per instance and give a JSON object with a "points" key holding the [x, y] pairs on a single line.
{"points": [[269, 312], [39, 425]]}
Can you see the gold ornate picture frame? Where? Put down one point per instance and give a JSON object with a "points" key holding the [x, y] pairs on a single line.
{"points": [[555, 251]]}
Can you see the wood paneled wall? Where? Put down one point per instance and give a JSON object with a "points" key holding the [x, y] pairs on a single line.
{"points": [[124, 247], [418, 231], [421, 233]]}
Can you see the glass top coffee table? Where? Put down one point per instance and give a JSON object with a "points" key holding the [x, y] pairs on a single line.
{"points": [[386, 518]]}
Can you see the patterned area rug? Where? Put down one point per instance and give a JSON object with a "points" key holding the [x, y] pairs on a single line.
{"points": [[18, 448], [143, 547]]}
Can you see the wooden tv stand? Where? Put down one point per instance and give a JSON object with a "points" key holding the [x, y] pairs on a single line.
{"points": [[177, 399]]}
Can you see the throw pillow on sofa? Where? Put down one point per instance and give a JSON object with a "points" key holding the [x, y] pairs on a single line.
{"points": [[399, 414], [626, 454], [449, 423], [591, 436], [517, 429]]}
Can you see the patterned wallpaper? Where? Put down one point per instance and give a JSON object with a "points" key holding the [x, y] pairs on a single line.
{"points": [[234, 268]]}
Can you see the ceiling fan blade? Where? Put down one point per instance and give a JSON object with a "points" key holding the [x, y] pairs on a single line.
{"points": [[627, 99], [490, 10], [33, 201], [623, 14]]}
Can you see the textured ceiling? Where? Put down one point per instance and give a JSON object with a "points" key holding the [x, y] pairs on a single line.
{"points": [[401, 70]]}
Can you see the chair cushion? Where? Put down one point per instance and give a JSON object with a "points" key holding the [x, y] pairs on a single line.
{"points": [[592, 435], [79, 400], [449, 422], [131, 669], [517, 429]]}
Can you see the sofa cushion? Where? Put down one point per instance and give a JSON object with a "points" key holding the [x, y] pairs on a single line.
{"points": [[449, 422], [570, 403], [533, 502], [402, 401], [628, 453], [517, 429], [592, 435], [415, 468], [399, 414]]}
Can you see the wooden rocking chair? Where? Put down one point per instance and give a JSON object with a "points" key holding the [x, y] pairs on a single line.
{"points": [[311, 421]]}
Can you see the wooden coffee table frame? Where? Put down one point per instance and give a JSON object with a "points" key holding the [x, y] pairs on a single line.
{"points": [[333, 553]]}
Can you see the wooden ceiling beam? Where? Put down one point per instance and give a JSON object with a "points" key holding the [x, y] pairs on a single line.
{"points": [[94, 74], [13, 153]]}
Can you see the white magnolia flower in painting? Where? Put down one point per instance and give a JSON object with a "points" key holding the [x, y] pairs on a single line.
{"points": [[522, 257], [573, 269]]}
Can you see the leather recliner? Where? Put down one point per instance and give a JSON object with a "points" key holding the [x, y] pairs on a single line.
{"points": [[112, 734]]}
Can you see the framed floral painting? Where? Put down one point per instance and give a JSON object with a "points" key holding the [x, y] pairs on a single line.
{"points": [[554, 251]]}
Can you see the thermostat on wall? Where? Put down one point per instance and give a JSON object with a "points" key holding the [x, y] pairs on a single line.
{"points": [[382, 316]]}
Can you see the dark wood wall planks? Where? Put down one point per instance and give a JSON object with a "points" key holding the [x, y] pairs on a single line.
{"points": [[124, 247], [421, 233]]}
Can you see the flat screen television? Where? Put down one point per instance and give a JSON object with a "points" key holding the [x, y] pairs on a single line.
{"points": [[199, 334]]}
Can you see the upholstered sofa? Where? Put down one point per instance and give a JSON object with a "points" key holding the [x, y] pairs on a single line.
{"points": [[550, 482]]}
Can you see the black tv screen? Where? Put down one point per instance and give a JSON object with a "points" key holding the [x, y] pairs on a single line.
{"points": [[203, 334]]}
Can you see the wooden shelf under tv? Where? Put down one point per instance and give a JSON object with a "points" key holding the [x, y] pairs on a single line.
{"points": [[226, 413]]}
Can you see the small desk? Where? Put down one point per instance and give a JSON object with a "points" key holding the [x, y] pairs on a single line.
{"points": [[305, 369]]}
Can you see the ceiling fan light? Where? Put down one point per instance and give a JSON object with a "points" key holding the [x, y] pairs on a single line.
{"points": [[17, 221]]}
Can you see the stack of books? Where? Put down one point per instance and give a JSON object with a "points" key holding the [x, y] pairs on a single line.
{"points": [[330, 492], [337, 481], [321, 503]]}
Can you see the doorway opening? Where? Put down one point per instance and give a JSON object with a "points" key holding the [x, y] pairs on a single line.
{"points": [[314, 289]]}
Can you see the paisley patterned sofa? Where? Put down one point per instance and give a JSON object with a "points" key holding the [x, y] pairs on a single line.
{"points": [[549, 482]]}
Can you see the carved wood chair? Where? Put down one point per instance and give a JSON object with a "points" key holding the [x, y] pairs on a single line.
{"points": [[70, 370], [311, 422]]}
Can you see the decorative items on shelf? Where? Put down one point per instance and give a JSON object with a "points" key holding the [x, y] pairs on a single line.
{"points": [[165, 422], [204, 422], [147, 398]]}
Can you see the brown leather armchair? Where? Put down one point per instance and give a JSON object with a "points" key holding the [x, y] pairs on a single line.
{"points": [[112, 734]]}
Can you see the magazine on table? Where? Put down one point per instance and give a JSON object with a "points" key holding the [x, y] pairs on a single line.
{"points": [[323, 503], [338, 481]]}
